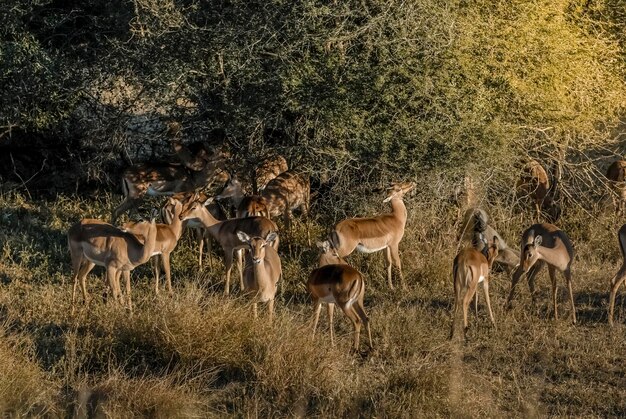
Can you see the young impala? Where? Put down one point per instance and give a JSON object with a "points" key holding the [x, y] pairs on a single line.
{"points": [[470, 268], [620, 276], [262, 270], [94, 242], [336, 282], [225, 232], [167, 238], [616, 174], [545, 244], [373, 234]]}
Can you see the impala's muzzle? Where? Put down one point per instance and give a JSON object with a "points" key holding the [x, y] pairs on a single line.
{"points": [[256, 260]]}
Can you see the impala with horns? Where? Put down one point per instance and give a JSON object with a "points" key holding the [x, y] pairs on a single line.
{"points": [[545, 244], [476, 219], [94, 242], [470, 268], [186, 198], [616, 174], [267, 170], [534, 183], [225, 232], [620, 276], [166, 240], [155, 179], [385, 231], [262, 271], [336, 282]]}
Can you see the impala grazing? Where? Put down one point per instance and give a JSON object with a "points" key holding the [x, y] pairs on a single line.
{"points": [[368, 235], [262, 270], [545, 244], [225, 232], [336, 282], [470, 268], [617, 177], [94, 242], [476, 219], [166, 240], [168, 178], [620, 276], [534, 183]]}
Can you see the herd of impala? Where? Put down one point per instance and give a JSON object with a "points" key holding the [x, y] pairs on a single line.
{"points": [[277, 192]]}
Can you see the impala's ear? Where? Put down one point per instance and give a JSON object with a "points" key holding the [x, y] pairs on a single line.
{"points": [[271, 236], [243, 236], [538, 241], [482, 238], [209, 201], [496, 242]]}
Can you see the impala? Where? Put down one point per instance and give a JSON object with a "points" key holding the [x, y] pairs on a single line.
{"points": [[166, 240], [245, 205], [545, 244], [534, 182], [262, 270], [477, 219], [267, 170], [225, 232], [617, 175], [336, 282], [156, 179], [373, 234], [470, 268], [619, 277], [186, 198], [94, 242]]}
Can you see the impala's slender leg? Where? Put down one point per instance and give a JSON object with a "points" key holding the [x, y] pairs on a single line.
{"points": [[517, 275], [532, 275], [471, 290], [165, 259], [568, 278], [389, 266], [356, 323], [228, 262], [331, 310], [395, 256], [111, 275], [364, 319], [155, 265], [200, 241], [486, 291], [128, 291], [552, 272], [316, 314], [616, 282], [240, 253]]}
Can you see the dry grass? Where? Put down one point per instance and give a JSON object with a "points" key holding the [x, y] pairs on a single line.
{"points": [[198, 354]]}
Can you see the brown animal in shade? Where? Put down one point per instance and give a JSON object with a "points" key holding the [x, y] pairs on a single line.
{"points": [[620, 276], [534, 183], [616, 174], [267, 170]]}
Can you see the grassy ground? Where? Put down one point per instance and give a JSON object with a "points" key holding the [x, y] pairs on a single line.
{"points": [[198, 354]]}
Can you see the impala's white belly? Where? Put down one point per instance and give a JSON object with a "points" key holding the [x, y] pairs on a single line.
{"points": [[328, 299], [364, 249]]}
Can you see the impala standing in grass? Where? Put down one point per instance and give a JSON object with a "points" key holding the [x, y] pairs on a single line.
{"points": [[385, 231]]}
